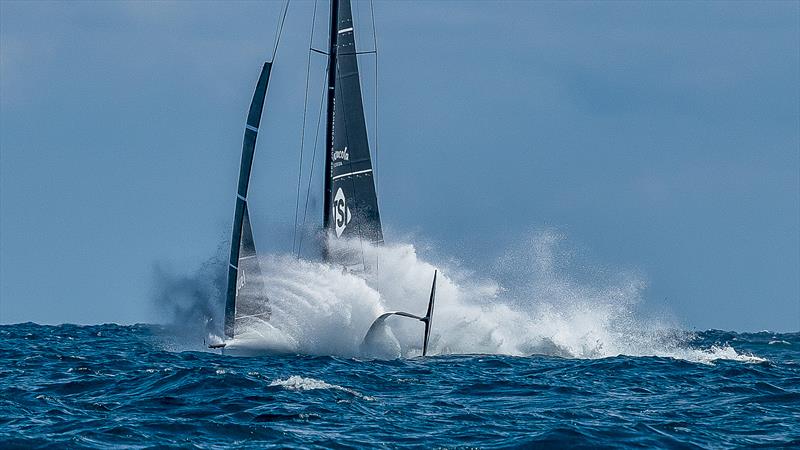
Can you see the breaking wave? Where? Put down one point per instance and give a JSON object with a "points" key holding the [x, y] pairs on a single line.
{"points": [[533, 304]]}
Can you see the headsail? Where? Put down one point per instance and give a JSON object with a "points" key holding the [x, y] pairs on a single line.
{"points": [[244, 295], [351, 207]]}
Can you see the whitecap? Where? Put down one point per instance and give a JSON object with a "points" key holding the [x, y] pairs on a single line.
{"points": [[298, 383]]}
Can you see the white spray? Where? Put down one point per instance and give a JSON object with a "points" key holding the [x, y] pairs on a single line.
{"points": [[321, 309]]}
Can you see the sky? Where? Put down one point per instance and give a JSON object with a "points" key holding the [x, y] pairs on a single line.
{"points": [[657, 137]]}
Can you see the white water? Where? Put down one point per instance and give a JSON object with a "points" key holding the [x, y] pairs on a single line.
{"points": [[319, 309], [298, 383]]}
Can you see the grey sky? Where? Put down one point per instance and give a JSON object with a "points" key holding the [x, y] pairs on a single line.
{"points": [[663, 137]]}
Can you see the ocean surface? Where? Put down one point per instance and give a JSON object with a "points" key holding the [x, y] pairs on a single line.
{"points": [[132, 386]]}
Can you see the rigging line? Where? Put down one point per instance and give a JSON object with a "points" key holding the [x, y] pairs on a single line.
{"points": [[303, 129], [377, 141], [280, 31], [319, 51], [311, 172], [375, 50]]}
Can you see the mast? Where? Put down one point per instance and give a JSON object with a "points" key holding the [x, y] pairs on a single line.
{"points": [[331, 99]]}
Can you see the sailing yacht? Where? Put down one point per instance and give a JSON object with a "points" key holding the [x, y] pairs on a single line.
{"points": [[350, 207]]}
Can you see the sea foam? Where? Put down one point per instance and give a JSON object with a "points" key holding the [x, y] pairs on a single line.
{"points": [[530, 304]]}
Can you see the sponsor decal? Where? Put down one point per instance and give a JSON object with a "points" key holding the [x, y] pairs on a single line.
{"points": [[341, 213], [341, 154]]}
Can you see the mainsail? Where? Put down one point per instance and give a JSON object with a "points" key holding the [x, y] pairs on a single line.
{"points": [[351, 204], [245, 296]]}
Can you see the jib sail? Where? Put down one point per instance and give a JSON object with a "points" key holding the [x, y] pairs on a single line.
{"points": [[244, 297]]}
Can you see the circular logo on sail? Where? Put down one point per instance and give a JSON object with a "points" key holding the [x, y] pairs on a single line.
{"points": [[341, 212]]}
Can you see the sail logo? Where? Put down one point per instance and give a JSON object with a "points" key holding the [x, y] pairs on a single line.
{"points": [[341, 154], [341, 213]]}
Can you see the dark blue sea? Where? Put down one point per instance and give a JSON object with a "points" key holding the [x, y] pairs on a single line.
{"points": [[126, 386]]}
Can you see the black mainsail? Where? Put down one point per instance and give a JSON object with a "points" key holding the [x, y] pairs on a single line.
{"points": [[351, 204], [244, 296]]}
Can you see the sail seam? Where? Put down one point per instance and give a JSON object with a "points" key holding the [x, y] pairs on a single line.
{"points": [[358, 172]]}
